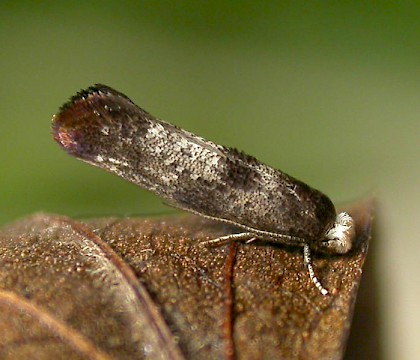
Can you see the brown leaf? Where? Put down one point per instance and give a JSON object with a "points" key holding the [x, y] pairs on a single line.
{"points": [[135, 288], [65, 294]]}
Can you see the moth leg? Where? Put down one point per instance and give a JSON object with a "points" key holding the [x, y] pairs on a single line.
{"points": [[308, 263], [247, 236]]}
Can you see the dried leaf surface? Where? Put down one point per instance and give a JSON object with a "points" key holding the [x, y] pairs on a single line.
{"points": [[65, 294], [133, 288]]}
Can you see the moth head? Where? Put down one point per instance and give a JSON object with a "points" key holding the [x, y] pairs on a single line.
{"points": [[339, 237]]}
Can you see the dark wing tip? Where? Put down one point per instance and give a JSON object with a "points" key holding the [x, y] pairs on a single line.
{"points": [[77, 116], [91, 91]]}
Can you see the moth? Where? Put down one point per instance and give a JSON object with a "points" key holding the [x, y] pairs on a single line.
{"points": [[103, 127]]}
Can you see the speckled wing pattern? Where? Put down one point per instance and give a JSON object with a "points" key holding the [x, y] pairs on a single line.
{"points": [[105, 128]]}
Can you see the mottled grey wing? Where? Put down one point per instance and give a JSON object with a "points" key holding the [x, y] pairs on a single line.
{"points": [[105, 128]]}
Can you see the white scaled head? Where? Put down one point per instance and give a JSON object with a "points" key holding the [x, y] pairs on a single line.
{"points": [[340, 237]]}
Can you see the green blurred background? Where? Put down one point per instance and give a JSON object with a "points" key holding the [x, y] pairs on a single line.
{"points": [[326, 91]]}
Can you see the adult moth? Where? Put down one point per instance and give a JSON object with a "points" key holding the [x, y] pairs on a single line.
{"points": [[105, 128]]}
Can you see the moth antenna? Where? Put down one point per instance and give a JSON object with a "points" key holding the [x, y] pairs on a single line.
{"points": [[308, 263]]}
